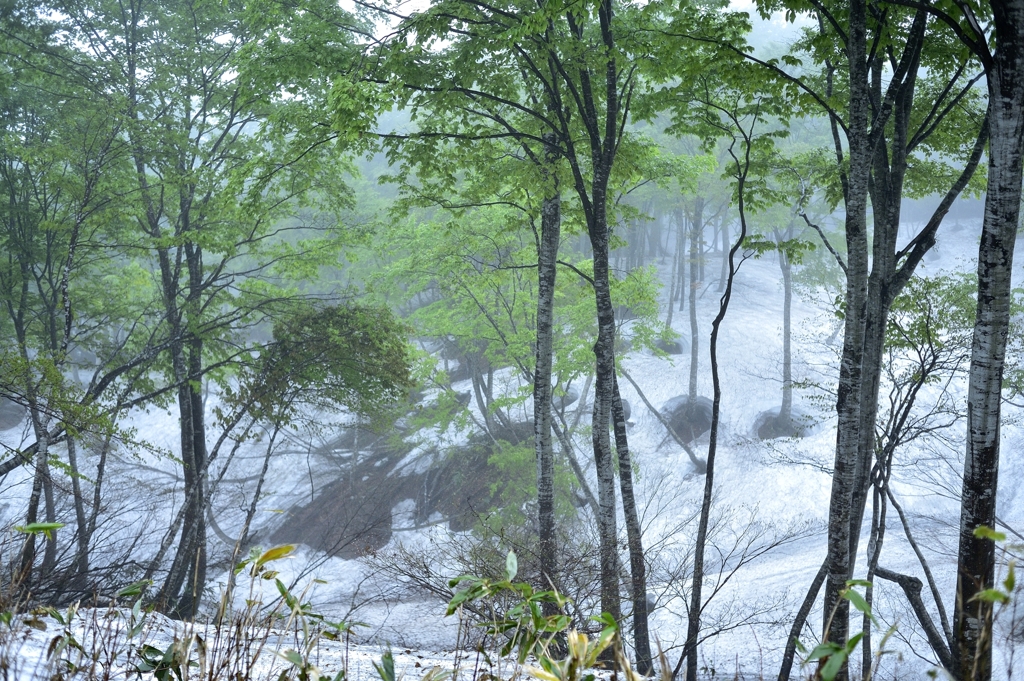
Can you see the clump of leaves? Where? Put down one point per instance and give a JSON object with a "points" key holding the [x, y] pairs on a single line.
{"points": [[355, 356]]}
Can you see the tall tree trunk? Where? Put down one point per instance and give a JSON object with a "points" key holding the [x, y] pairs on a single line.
{"points": [[696, 228], [195, 578], [672, 288], [789, 652], [81, 522], [786, 411], [604, 351], [693, 624], [634, 538], [976, 559], [724, 230], [547, 257], [28, 549], [681, 254], [50, 511], [840, 562], [243, 534]]}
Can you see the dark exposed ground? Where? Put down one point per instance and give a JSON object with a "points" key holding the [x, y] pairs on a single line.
{"points": [[352, 515]]}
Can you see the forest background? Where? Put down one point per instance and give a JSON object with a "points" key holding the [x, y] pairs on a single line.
{"points": [[417, 238]]}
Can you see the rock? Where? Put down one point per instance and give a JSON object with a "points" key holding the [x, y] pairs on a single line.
{"points": [[560, 402], [672, 347], [11, 413]]}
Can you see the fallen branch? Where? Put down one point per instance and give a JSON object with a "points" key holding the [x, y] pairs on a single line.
{"points": [[912, 588], [694, 459]]}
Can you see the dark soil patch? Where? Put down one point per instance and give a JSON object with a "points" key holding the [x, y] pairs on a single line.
{"points": [[352, 515], [769, 425], [672, 347], [688, 420]]}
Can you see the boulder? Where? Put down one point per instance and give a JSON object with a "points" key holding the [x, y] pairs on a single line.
{"points": [[672, 347], [11, 414], [560, 402]]}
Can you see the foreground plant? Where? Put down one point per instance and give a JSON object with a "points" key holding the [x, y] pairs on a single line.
{"points": [[831, 656], [530, 628]]}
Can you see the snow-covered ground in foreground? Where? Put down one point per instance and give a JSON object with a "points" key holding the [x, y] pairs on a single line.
{"points": [[765, 493], [25, 656]]}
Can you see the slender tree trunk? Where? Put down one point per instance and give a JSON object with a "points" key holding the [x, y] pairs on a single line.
{"points": [[724, 230], [877, 538], [786, 411], [97, 492], [50, 511], [693, 624], [547, 256], [976, 559], [696, 228], [681, 254], [789, 653], [244, 532], [672, 289], [28, 550], [81, 522], [604, 351], [634, 538]]}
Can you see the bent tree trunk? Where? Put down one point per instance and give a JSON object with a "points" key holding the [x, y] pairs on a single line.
{"points": [[976, 560], [696, 595]]}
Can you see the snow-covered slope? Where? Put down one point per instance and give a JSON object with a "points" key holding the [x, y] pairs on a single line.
{"points": [[771, 497]]}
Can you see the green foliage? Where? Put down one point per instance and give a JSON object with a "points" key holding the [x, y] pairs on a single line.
{"points": [[582, 653], [524, 626], [1001, 594], [354, 356], [47, 529], [172, 663], [528, 631], [831, 656]]}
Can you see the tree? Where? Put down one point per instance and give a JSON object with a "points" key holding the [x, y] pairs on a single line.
{"points": [[549, 70], [893, 93], [1002, 55], [177, 82], [61, 173]]}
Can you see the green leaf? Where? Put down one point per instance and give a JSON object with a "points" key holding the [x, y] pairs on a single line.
{"points": [[823, 650], [858, 582], [135, 589], [986, 532], [39, 528], [511, 565], [832, 665], [991, 596], [858, 602], [386, 668], [275, 553]]}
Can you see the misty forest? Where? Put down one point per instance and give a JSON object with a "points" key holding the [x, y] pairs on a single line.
{"points": [[511, 339]]}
